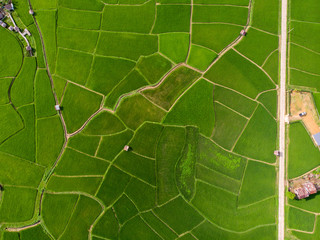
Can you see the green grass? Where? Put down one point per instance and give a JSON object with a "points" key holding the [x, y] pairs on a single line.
{"points": [[10, 122], [215, 158], [85, 165], [38, 4], [270, 101], [266, 15], [124, 209], [34, 233], [233, 100], [301, 220], [107, 73], [298, 10], [257, 174], [19, 172], [47, 24], [68, 61], [142, 195], [213, 202], [136, 110], [177, 15], [200, 57], [174, 45], [271, 66], [84, 143], [104, 123], [4, 90], [22, 88], [179, 215], [127, 45], [137, 19], [107, 226], [228, 126], [44, 99], [225, 14], [78, 105], [111, 146], [18, 204], [11, 58], [169, 150], [214, 36], [154, 67], [113, 185], [146, 139], [258, 141], [172, 87], [198, 101], [25, 139], [238, 73], [78, 19], [250, 46], [74, 184], [56, 210], [136, 228], [69, 38], [133, 81], [50, 139], [86, 211], [140, 167], [300, 146], [94, 5]]}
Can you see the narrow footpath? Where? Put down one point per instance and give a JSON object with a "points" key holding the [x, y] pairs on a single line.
{"points": [[282, 112]]}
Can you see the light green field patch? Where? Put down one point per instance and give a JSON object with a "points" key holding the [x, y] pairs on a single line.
{"points": [[214, 36], [299, 9], [137, 19], [84, 143], [127, 45], [301, 220], [172, 87], [305, 34], [112, 145], [104, 123], [22, 9], [225, 14], [258, 136], [299, 78], [10, 122], [39, 4], [270, 101], [93, 5], [70, 38], [174, 45], [78, 105], [251, 45], [153, 67], [133, 81], [136, 110], [50, 139], [78, 19], [18, 204], [228, 126], [107, 73], [198, 101], [59, 86], [200, 57], [22, 88], [177, 15], [238, 73], [271, 66]]}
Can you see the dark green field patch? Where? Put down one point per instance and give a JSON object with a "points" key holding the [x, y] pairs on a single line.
{"points": [[214, 36], [153, 67], [177, 15], [107, 73], [301, 220], [257, 136], [127, 45], [228, 126], [198, 101], [238, 73], [37, 47], [174, 45], [107, 226], [78, 105], [137, 19], [136, 110], [200, 57], [124, 209]]}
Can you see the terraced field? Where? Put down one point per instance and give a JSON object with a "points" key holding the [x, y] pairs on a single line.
{"points": [[174, 80]]}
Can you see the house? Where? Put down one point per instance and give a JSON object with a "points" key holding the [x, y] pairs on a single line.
{"points": [[26, 32], [57, 107], [16, 28], [3, 24], [31, 12], [310, 187], [9, 7], [243, 33], [10, 28], [29, 50], [301, 193], [316, 138], [126, 148]]}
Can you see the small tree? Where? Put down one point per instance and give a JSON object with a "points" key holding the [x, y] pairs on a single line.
{"points": [[290, 195]]}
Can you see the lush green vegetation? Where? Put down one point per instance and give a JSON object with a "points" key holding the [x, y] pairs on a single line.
{"points": [[200, 57], [174, 46], [301, 220]]}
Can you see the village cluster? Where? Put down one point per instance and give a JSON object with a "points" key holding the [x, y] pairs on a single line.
{"points": [[5, 12], [305, 186]]}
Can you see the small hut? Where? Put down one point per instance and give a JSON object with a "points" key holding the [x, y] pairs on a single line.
{"points": [[126, 148], [29, 50], [243, 33], [31, 12], [57, 107], [10, 28]]}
